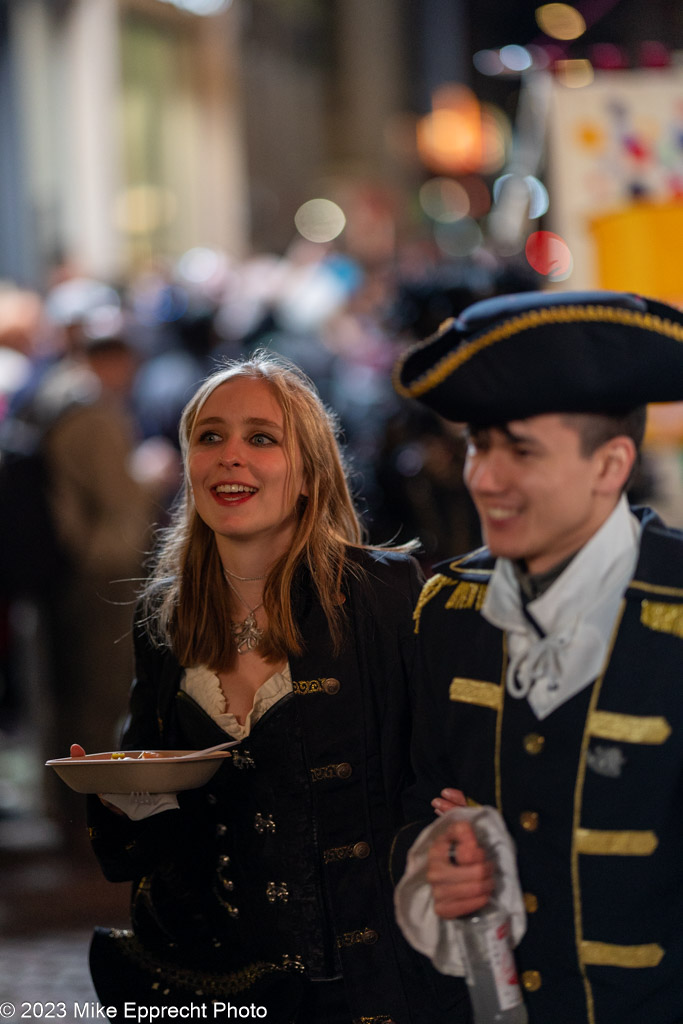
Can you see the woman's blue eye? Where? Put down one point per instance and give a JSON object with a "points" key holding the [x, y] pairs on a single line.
{"points": [[261, 440], [208, 437]]}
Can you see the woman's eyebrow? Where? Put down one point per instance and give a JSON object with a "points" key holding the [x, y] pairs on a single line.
{"points": [[250, 421], [208, 419], [257, 421]]}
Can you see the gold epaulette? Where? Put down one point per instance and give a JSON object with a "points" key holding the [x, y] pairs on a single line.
{"points": [[465, 595], [663, 618]]}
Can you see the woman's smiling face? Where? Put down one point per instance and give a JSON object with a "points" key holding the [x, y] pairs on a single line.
{"points": [[244, 486]]}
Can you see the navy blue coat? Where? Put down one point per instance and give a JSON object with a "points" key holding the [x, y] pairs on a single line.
{"points": [[592, 795]]}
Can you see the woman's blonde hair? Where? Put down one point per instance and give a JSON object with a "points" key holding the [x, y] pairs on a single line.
{"points": [[185, 598]]}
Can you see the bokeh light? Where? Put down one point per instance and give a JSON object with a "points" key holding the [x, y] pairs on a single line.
{"points": [[539, 200], [204, 8], [608, 57], [496, 138], [515, 58], [548, 254], [449, 140], [488, 62], [444, 200], [560, 21], [574, 74], [533, 190], [320, 220], [459, 239], [200, 265]]}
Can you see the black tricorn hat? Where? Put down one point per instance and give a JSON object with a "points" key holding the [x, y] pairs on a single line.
{"points": [[516, 356]]}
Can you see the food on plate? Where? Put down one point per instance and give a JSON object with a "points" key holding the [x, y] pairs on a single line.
{"points": [[120, 755]]}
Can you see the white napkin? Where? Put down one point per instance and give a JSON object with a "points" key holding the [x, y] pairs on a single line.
{"points": [[136, 807], [434, 936]]}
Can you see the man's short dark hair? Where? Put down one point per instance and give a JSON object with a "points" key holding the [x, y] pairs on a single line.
{"points": [[595, 429]]}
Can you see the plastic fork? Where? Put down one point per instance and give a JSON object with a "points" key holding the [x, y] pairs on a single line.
{"points": [[208, 750]]}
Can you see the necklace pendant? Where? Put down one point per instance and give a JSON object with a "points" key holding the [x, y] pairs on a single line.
{"points": [[246, 634]]}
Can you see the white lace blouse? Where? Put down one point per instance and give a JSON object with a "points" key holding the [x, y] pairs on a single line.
{"points": [[204, 687]]}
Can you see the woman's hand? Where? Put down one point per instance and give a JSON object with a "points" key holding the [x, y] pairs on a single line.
{"points": [[76, 750], [459, 872], [449, 799]]}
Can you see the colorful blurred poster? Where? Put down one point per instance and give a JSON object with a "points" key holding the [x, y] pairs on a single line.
{"points": [[616, 180]]}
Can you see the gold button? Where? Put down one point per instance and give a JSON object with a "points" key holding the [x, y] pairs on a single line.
{"points": [[331, 685], [529, 820], [361, 850], [344, 770], [530, 902], [534, 743], [370, 936], [531, 981]]}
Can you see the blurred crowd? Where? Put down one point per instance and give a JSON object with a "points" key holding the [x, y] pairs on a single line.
{"points": [[93, 377]]}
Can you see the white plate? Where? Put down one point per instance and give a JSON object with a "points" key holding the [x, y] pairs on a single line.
{"points": [[99, 773]]}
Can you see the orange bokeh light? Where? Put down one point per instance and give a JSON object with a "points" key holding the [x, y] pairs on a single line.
{"points": [[450, 139]]}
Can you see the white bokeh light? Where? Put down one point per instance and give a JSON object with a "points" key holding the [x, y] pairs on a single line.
{"points": [[320, 220]]}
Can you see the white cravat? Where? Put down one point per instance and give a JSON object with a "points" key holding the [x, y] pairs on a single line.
{"points": [[577, 613]]}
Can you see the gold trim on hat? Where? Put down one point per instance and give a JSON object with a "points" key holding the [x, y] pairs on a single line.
{"points": [[609, 725], [524, 322], [606, 954], [613, 843]]}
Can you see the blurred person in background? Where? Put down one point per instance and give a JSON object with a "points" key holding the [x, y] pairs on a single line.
{"points": [[103, 491], [21, 328], [175, 313], [419, 468], [420, 459], [267, 620], [21, 320]]}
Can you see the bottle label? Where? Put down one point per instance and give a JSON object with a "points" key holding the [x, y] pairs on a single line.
{"points": [[503, 966]]}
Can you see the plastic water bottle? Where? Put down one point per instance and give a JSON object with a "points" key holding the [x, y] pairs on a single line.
{"points": [[491, 973]]}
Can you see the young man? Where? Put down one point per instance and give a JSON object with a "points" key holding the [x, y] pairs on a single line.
{"points": [[552, 669]]}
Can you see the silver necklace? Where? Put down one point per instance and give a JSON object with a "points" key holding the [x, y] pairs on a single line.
{"points": [[246, 634], [243, 579]]}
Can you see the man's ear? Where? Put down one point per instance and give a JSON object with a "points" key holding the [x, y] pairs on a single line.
{"points": [[616, 460]]}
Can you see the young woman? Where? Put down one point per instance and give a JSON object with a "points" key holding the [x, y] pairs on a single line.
{"points": [[267, 620]]}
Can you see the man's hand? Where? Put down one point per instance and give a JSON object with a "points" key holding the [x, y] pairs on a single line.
{"points": [[449, 799], [459, 872]]}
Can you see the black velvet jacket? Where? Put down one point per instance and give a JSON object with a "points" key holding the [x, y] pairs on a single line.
{"points": [[281, 861], [592, 794]]}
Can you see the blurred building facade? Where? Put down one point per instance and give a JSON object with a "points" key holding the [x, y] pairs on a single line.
{"points": [[123, 121], [139, 128], [134, 130]]}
